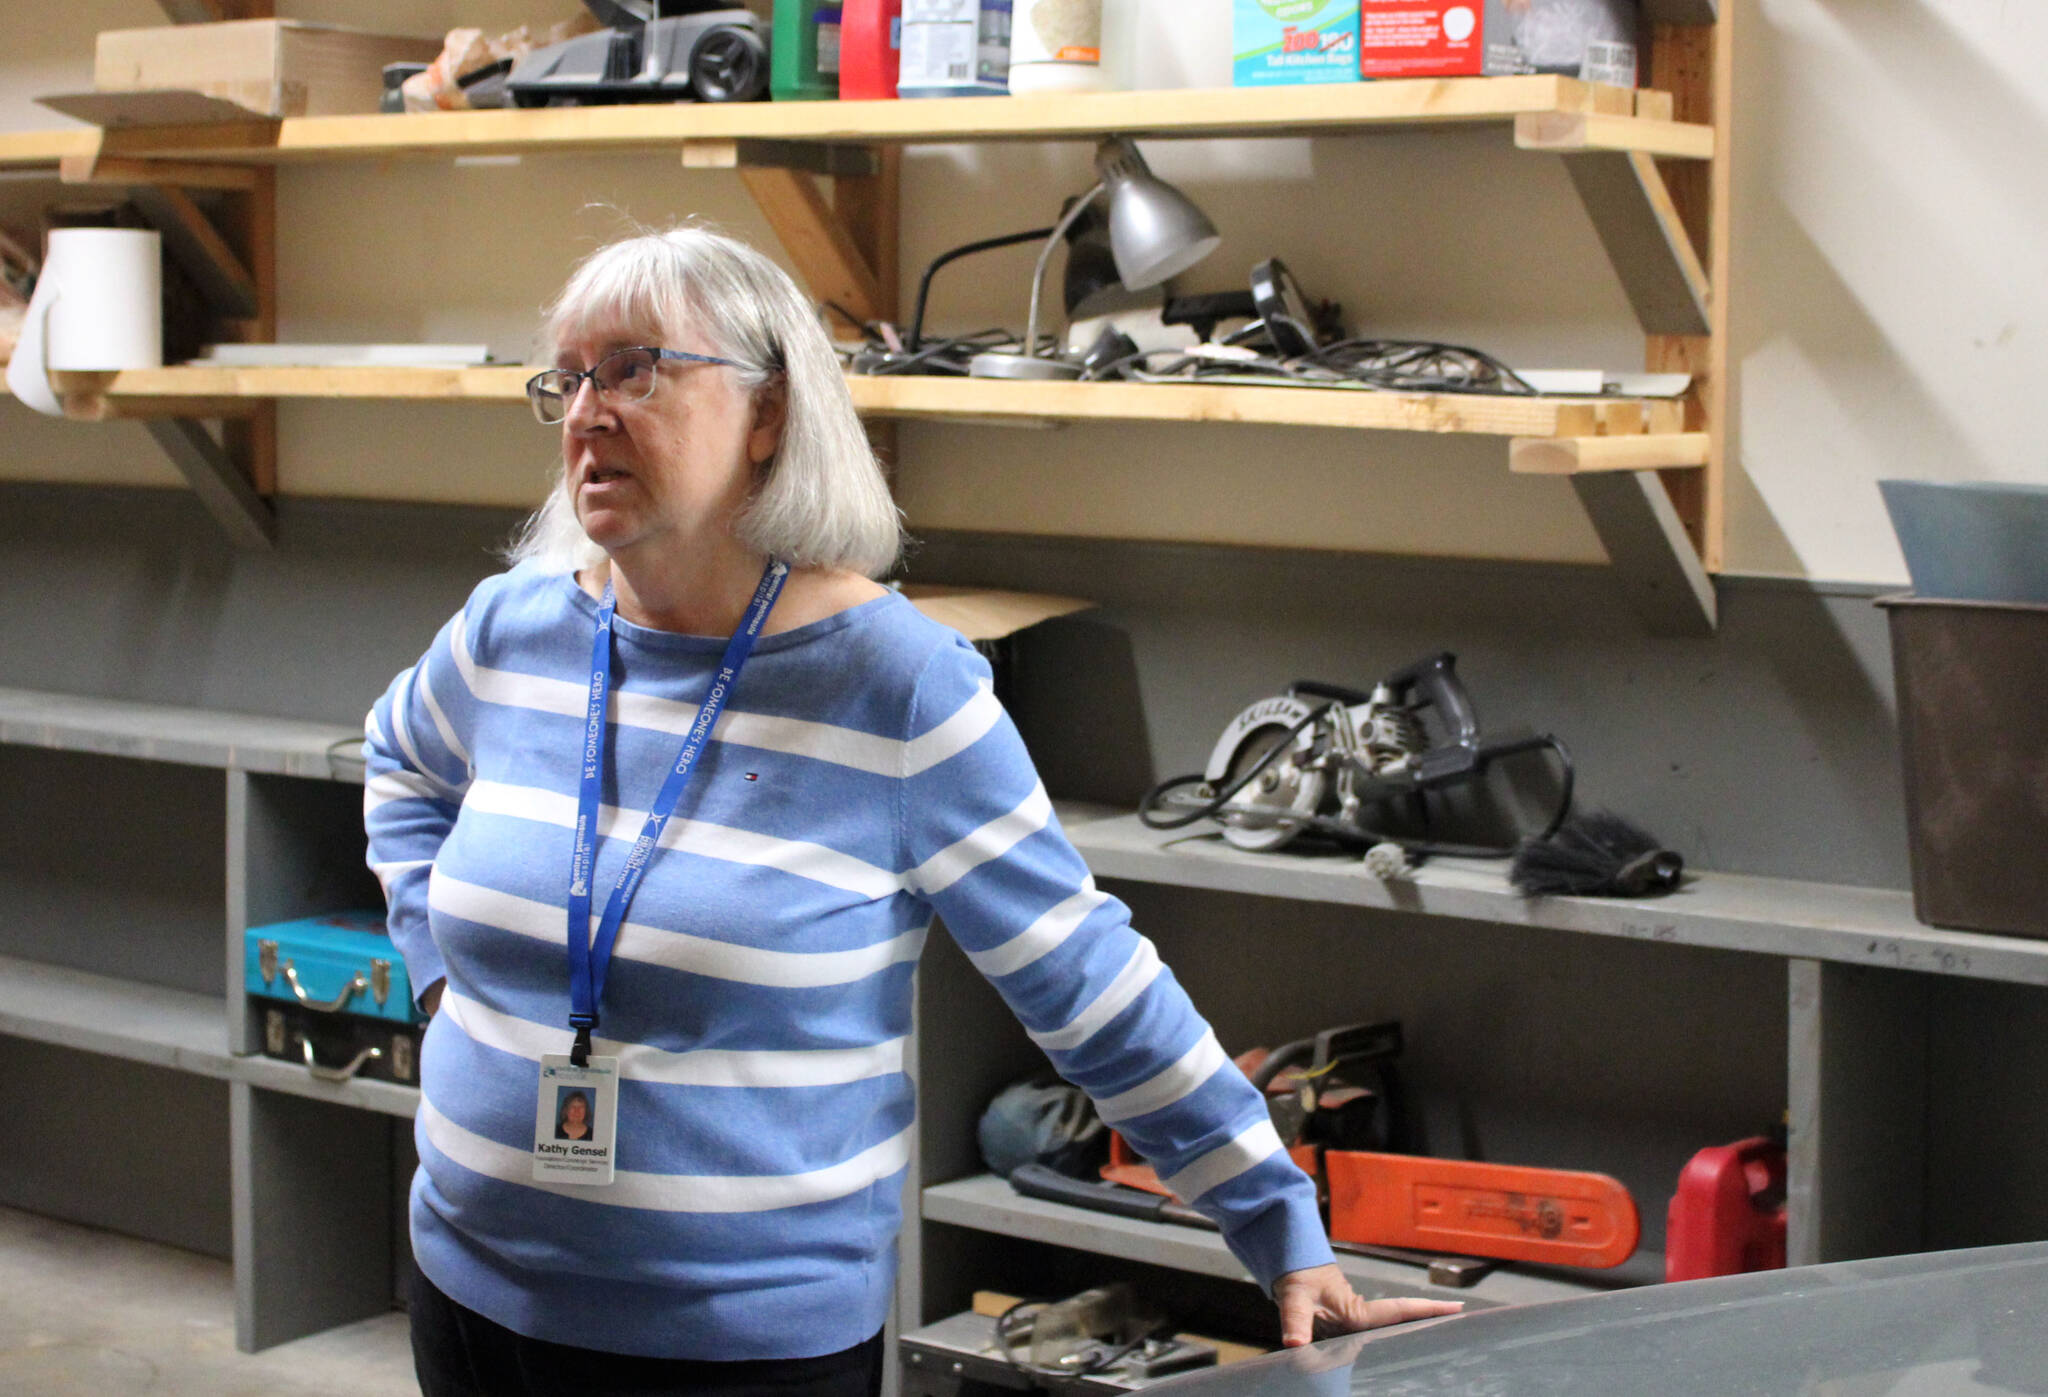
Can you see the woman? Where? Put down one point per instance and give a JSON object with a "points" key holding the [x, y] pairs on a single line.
{"points": [[754, 1014], [574, 1122]]}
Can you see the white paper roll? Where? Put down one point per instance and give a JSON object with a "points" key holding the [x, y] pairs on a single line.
{"points": [[97, 307]]}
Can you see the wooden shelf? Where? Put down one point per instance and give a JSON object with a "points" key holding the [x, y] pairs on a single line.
{"points": [[29, 150], [166, 733], [1149, 115], [189, 390], [1662, 533], [199, 390], [1766, 916], [987, 1203], [1474, 413]]}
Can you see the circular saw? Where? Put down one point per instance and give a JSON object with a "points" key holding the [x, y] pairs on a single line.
{"points": [[1327, 760]]}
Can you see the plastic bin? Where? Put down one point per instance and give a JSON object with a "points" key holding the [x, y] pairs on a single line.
{"points": [[1972, 681]]}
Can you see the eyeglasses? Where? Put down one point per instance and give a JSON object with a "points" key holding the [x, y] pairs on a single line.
{"points": [[624, 376]]}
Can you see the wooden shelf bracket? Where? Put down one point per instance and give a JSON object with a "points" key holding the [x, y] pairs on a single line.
{"points": [[1660, 270], [1651, 551], [232, 262], [245, 516], [844, 248]]}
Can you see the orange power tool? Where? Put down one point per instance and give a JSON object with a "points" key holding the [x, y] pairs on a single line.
{"points": [[1554, 1217]]}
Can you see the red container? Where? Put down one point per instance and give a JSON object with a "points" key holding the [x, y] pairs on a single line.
{"points": [[1728, 1215], [870, 49]]}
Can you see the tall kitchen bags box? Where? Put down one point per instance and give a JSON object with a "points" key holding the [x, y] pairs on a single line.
{"points": [[1279, 42]]}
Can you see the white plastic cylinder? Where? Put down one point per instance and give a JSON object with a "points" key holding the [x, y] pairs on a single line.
{"points": [[109, 315], [1056, 46], [98, 306]]}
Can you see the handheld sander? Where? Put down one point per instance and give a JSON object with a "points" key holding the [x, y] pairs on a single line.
{"points": [[1327, 760]]}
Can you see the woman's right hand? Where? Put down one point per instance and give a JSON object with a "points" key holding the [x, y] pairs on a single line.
{"points": [[431, 999]]}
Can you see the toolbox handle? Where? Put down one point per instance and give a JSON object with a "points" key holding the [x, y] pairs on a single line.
{"points": [[354, 987], [336, 1074]]}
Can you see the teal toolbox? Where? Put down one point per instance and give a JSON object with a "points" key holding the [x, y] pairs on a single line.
{"points": [[333, 995]]}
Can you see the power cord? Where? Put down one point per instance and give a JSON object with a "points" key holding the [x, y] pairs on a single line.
{"points": [[346, 752], [1402, 366], [1010, 1328], [1353, 832]]}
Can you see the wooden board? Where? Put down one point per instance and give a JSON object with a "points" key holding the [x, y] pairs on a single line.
{"points": [[1573, 455], [1307, 407], [174, 108], [979, 614], [933, 397], [1566, 132], [46, 149], [1217, 112], [278, 67]]}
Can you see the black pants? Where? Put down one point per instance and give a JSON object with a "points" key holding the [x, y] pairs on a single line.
{"points": [[459, 1353]]}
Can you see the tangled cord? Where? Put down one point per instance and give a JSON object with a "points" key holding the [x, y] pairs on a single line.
{"points": [[1400, 366], [1009, 1322]]}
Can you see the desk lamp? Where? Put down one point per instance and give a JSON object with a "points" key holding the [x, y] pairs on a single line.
{"points": [[1155, 232]]}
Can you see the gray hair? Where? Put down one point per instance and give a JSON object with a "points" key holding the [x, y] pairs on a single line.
{"points": [[821, 501]]}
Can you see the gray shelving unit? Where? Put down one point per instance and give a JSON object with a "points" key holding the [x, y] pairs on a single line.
{"points": [[1860, 983], [311, 1162], [1865, 995]]}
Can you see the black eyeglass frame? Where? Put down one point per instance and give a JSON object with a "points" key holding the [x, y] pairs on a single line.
{"points": [[574, 379]]}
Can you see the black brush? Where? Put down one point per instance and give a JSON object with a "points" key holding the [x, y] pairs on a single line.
{"points": [[1595, 855]]}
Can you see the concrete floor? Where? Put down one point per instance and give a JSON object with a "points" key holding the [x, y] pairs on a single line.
{"points": [[90, 1313]]}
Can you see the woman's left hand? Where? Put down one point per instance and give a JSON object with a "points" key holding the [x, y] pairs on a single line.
{"points": [[1319, 1302]]}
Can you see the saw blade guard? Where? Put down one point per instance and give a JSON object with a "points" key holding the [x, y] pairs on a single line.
{"points": [[1290, 785]]}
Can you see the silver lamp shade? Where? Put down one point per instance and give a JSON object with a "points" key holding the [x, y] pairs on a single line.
{"points": [[1155, 231]]}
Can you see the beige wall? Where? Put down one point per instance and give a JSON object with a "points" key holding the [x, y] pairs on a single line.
{"points": [[1888, 307]]}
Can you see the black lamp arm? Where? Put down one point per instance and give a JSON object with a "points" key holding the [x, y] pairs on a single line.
{"points": [[915, 341]]}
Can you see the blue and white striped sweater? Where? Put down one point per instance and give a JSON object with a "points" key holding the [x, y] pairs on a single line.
{"points": [[863, 780]]}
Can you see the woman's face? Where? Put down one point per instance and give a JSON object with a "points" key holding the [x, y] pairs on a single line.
{"points": [[665, 466], [576, 1112]]}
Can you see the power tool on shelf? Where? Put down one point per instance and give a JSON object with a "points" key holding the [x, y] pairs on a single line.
{"points": [[649, 51], [1359, 768]]}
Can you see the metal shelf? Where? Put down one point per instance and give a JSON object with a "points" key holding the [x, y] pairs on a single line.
{"points": [[1768, 916], [167, 733], [987, 1203], [161, 1027], [151, 1024], [387, 1098]]}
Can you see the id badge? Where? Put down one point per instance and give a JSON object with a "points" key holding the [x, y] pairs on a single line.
{"points": [[576, 1120]]}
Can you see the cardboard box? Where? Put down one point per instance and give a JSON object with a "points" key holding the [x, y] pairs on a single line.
{"points": [[1282, 42], [273, 67], [1590, 39]]}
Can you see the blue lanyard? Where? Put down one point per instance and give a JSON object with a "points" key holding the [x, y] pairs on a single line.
{"points": [[588, 958]]}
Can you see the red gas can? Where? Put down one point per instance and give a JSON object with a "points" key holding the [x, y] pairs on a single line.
{"points": [[870, 48], [1728, 1215]]}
